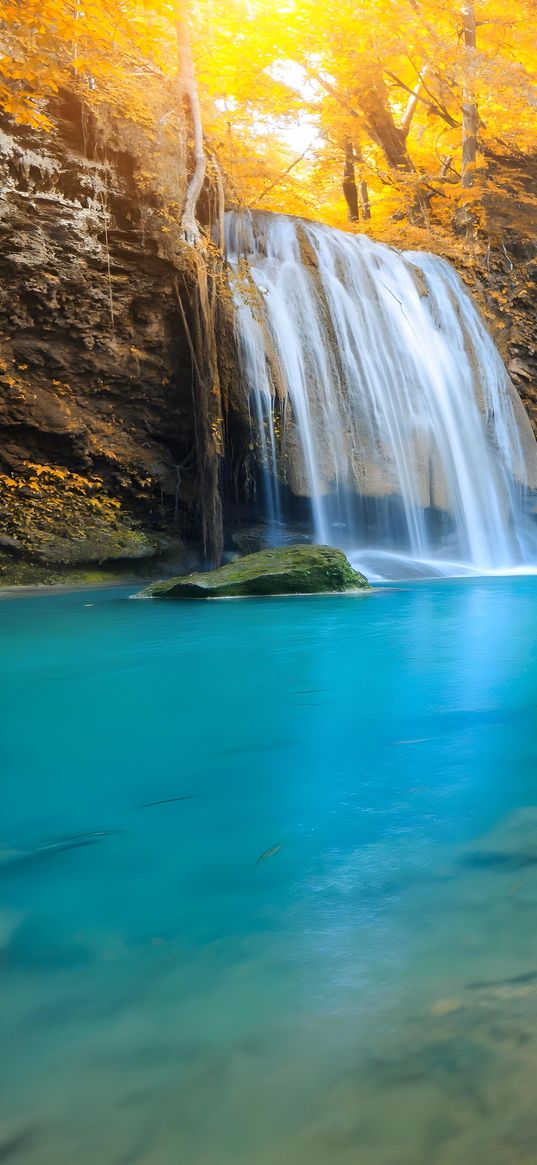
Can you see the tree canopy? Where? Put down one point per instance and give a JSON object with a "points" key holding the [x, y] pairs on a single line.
{"points": [[353, 113]]}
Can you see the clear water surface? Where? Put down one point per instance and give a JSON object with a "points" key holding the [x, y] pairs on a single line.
{"points": [[367, 994]]}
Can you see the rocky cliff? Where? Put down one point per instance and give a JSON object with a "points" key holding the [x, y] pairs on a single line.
{"points": [[97, 441], [502, 273]]}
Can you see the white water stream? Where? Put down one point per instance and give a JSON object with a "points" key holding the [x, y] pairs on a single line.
{"points": [[377, 393]]}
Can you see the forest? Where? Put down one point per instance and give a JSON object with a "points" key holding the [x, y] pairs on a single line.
{"points": [[384, 112]]}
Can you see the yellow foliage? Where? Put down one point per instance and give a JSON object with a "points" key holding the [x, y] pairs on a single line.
{"points": [[285, 83]]}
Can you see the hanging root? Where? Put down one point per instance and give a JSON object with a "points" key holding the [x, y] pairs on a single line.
{"points": [[189, 92], [207, 399], [220, 205], [205, 265]]}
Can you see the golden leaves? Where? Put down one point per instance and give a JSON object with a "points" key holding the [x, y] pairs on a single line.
{"points": [[276, 76]]}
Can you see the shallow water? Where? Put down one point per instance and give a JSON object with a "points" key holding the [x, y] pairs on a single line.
{"points": [[366, 994]]}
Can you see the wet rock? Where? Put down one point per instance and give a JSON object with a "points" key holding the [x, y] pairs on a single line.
{"points": [[251, 539], [281, 571]]}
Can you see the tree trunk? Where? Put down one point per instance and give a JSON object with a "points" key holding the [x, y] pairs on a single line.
{"points": [[360, 195], [349, 183], [380, 123], [364, 200], [370, 106], [469, 105], [220, 205], [188, 91], [412, 104]]}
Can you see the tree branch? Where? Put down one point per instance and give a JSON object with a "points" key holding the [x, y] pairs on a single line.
{"points": [[258, 197], [417, 96]]}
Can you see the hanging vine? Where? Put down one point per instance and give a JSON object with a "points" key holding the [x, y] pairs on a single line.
{"points": [[205, 267]]}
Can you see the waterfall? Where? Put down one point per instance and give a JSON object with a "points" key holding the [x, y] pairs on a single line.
{"points": [[378, 395]]}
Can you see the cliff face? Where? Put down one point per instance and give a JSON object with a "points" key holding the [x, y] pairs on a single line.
{"points": [[502, 272], [504, 282], [97, 442]]}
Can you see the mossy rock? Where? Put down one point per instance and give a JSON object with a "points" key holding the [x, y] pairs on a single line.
{"points": [[284, 570]]}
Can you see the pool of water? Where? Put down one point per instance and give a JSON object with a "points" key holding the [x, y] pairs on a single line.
{"points": [[366, 993]]}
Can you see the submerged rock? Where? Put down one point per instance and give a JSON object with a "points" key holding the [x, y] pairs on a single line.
{"points": [[284, 570], [512, 843]]}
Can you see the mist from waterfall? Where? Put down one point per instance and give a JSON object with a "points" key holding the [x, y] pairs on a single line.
{"points": [[377, 393]]}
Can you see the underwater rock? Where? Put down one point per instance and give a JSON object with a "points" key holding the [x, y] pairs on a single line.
{"points": [[287, 570], [446, 1006], [511, 844], [39, 945], [16, 1144]]}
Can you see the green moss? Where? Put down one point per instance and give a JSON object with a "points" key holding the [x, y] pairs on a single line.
{"points": [[20, 573], [286, 570], [59, 519]]}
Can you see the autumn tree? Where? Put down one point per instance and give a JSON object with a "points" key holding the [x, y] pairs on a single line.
{"points": [[406, 83], [415, 86]]}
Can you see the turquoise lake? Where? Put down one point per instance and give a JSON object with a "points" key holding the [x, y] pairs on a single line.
{"points": [[367, 994]]}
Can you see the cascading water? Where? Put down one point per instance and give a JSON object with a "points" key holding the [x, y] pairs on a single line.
{"points": [[378, 394]]}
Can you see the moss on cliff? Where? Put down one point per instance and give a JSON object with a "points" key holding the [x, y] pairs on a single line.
{"points": [[58, 517]]}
